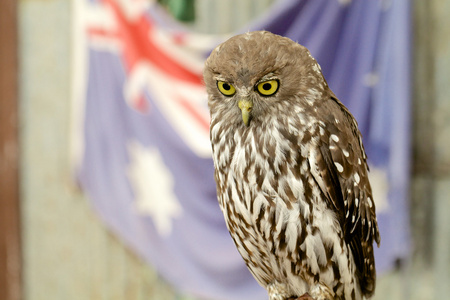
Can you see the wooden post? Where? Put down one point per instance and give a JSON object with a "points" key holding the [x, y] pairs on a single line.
{"points": [[10, 253]]}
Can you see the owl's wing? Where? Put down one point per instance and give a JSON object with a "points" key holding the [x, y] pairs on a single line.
{"points": [[338, 165]]}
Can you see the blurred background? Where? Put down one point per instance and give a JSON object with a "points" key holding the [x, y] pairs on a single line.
{"points": [[58, 240]]}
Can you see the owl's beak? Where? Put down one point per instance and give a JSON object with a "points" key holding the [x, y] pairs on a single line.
{"points": [[246, 107]]}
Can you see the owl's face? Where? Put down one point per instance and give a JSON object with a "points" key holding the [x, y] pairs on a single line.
{"points": [[254, 77]]}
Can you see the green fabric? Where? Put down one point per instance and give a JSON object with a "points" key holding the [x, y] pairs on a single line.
{"points": [[182, 10]]}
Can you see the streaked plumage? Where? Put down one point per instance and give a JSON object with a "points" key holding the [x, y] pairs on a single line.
{"points": [[291, 171]]}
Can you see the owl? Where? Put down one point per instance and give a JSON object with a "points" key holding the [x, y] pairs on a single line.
{"points": [[291, 171]]}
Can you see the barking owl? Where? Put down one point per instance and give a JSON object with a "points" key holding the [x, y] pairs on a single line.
{"points": [[291, 171]]}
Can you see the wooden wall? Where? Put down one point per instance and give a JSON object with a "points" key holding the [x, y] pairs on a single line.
{"points": [[10, 249]]}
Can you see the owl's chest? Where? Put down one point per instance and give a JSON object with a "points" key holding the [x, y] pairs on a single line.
{"points": [[255, 173], [275, 211], [265, 163]]}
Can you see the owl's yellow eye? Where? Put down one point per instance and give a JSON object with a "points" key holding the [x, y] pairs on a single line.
{"points": [[268, 88], [226, 88]]}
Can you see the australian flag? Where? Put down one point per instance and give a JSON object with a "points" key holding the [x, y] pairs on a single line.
{"points": [[141, 141]]}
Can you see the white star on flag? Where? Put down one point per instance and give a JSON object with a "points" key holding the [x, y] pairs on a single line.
{"points": [[152, 185]]}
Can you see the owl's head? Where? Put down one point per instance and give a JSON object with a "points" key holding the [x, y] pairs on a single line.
{"points": [[254, 76]]}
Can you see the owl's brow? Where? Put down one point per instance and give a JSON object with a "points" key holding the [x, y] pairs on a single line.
{"points": [[219, 77], [267, 77]]}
